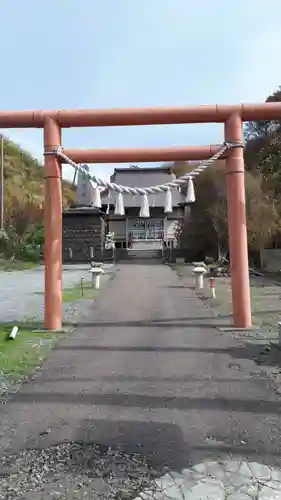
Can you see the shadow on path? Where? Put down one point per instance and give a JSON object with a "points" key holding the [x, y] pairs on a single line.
{"points": [[145, 401]]}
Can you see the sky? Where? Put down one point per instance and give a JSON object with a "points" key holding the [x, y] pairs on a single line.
{"points": [[59, 54]]}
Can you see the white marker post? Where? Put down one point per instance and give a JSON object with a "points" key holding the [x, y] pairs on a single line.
{"points": [[96, 274], [13, 333], [199, 272], [213, 290]]}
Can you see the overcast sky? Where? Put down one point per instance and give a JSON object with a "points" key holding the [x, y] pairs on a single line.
{"points": [[133, 53]]}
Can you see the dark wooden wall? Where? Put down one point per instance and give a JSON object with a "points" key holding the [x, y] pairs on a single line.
{"points": [[83, 229]]}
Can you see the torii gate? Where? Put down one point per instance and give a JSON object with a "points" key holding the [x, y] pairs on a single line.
{"points": [[232, 116]]}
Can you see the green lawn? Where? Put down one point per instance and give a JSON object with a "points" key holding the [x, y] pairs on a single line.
{"points": [[72, 294], [20, 357], [76, 293], [23, 355]]}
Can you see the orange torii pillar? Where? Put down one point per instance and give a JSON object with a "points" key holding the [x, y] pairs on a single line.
{"points": [[53, 227], [237, 224]]}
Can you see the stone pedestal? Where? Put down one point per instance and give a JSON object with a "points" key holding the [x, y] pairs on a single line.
{"points": [[83, 235]]}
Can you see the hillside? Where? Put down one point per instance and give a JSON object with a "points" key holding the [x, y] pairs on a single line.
{"points": [[24, 178], [23, 235]]}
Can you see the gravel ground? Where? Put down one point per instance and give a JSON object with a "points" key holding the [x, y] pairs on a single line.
{"points": [[21, 296], [74, 471], [265, 298]]}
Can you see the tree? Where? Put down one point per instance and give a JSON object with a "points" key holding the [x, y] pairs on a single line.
{"points": [[263, 128], [207, 227], [263, 146], [263, 217], [263, 190]]}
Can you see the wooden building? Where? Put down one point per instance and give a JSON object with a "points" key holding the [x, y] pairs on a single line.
{"points": [[131, 228]]}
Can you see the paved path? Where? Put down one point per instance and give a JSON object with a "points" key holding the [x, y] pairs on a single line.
{"points": [[150, 373]]}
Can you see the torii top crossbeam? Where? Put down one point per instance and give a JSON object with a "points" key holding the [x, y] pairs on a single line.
{"points": [[140, 116]]}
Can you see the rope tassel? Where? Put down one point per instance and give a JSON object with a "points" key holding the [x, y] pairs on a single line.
{"points": [[74, 177], [108, 204], [190, 194], [95, 194], [144, 210], [168, 202], [119, 206]]}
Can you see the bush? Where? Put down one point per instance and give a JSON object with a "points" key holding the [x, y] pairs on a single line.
{"points": [[27, 248], [28, 253], [35, 236]]}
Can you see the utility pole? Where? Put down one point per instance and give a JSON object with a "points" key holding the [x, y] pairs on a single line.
{"points": [[2, 184]]}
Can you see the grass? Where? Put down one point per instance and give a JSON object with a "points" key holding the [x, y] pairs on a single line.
{"points": [[17, 265], [22, 356], [73, 294]]}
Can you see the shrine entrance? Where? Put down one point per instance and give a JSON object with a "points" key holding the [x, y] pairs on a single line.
{"points": [[145, 230], [232, 116]]}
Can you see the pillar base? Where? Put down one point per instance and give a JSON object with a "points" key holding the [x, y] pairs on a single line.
{"points": [[59, 330], [238, 328]]}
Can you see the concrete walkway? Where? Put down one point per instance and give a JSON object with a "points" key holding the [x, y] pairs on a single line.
{"points": [[149, 373]]}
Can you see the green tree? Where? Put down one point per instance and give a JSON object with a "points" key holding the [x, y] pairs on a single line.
{"points": [[263, 145], [207, 228]]}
